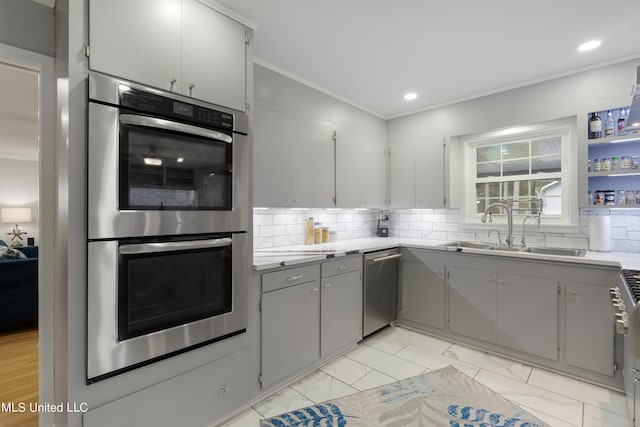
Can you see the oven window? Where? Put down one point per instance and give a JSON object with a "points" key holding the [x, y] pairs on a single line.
{"points": [[162, 169], [158, 291]]}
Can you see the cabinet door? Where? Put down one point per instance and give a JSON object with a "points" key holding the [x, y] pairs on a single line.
{"points": [[311, 147], [206, 394], [423, 288], [213, 56], [341, 311], [528, 315], [473, 301], [590, 330], [430, 173], [290, 330], [137, 40], [402, 174], [271, 159], [361, 170]]}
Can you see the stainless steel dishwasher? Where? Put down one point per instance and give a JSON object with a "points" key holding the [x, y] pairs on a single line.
{"points": [[380, 289]]}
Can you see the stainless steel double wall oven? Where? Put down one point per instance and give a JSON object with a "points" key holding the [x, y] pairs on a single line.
{"points": [[168, 206]]}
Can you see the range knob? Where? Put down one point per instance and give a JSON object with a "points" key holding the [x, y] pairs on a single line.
{"points": [[622, 326]]}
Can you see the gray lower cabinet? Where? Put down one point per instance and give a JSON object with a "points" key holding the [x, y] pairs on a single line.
{"points": [[590, 330], [290, 330], [197, 398], [528, 314], [473, 303], [515, 311], [308, 313], [341, 311], [423, 292]]}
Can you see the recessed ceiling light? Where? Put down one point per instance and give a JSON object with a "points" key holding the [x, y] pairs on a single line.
{"points": [[589, 45], [410, 96]]}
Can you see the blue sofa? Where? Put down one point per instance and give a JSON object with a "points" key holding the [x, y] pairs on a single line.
{"points": [[19, 287]]}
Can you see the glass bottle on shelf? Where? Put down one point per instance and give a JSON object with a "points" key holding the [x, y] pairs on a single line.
{"points": [[595, 126], [622, 121], [608, 124]]}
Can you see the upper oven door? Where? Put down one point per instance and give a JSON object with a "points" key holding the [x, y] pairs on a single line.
{"points": [[167, 165], [151, 176]]}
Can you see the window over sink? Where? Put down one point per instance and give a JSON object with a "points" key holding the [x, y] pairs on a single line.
{"points": [[534, 166]]}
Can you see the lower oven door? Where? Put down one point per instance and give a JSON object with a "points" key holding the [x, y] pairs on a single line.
{"points": [[152, 298]]}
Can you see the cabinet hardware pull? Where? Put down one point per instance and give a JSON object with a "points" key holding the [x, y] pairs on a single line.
{"points": [[296, 277], [315, 290], [384, 258], [156, 123], [172, 83], [224, 390], [344, 267], [191, 86], [327, 285], [147, 248]]}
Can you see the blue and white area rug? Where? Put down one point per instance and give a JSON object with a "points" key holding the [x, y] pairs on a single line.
{"points": [[446, 397]]}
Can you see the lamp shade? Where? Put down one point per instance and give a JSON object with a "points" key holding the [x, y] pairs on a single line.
{"points": [[15, 215]]}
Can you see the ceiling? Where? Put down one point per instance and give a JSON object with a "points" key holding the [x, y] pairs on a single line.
{"points": [[371, 52]]}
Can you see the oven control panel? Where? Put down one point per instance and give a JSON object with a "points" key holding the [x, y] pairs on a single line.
{"points": [[170, 108]]}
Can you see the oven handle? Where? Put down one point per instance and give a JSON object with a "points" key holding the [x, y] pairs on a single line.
{"points": [[153, 122], [148, 248]]}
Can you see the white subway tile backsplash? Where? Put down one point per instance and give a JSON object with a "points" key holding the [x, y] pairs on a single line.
{"points": [[280, 227], [272, 230]]}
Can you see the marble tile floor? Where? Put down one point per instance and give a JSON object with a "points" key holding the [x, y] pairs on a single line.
{"points": [[396, 353]]}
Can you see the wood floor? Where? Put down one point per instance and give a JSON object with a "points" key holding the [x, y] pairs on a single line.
{"points": [[19, 375]]}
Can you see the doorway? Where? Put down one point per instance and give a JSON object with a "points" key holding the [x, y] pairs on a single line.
{"points": [[27, 138]]}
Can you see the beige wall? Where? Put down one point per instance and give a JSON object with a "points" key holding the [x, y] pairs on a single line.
{"points": [[19, 188]]}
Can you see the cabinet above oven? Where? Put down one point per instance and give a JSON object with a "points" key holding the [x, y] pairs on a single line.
{"points": [[186, 47]]}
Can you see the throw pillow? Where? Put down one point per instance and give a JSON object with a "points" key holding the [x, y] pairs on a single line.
{"points": [[8, 254]]}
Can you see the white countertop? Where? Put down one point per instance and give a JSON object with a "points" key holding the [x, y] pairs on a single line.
{"points": [[264, 259]]}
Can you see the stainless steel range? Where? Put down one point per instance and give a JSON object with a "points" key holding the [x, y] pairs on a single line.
{"points": [[625, 297]]}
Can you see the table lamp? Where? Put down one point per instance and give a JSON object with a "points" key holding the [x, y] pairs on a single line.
{"points": [[15, 216]]}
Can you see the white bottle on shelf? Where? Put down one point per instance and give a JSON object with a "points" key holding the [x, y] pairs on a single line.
{"points": [[608, 125]]}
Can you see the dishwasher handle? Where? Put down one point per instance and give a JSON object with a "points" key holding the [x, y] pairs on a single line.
{"points": [[383, 258]]}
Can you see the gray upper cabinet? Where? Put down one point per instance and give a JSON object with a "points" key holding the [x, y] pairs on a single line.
{"points": [[361, 170], [179, 45], [293, 161], [147, 44], [213, 56], [312, 150], [417, 172]]}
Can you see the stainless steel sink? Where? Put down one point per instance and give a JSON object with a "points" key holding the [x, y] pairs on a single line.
{"points": [[530, 249], [504, 248], [465, 244], [555, 251]]}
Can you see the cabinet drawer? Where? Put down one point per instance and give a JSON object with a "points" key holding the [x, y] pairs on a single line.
{"points": [[341, 266], [206, 394], [289, 277]]}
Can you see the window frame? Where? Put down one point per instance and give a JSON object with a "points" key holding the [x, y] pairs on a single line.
{"points": [[563, 128]]}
